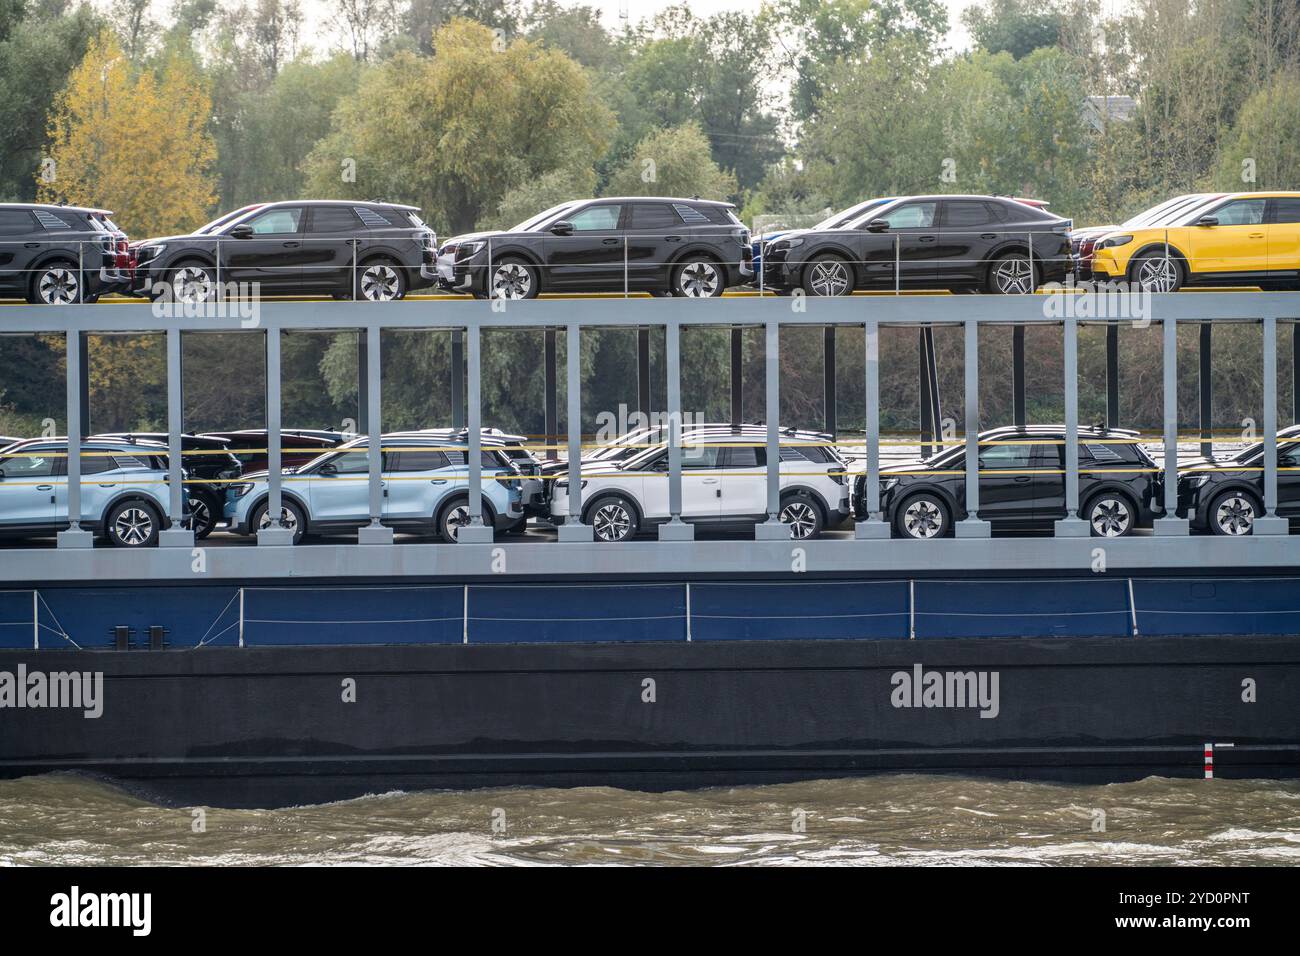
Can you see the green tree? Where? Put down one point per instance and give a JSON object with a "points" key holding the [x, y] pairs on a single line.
{"points": [[1018, 27], [547, 190], [1264, 151], [673, 162], [453, 133]]}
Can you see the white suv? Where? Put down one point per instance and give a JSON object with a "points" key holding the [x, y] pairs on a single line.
{"points": [[724, 485]]}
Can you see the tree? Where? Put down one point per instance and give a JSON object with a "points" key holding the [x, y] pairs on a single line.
{"points": [[1018, 27], [133, 142], [673, 162], [453, 133], [1264, 152], [41, 42]]}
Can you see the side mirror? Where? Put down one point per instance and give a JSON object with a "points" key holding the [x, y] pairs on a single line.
{"points": [[1208, 221], [562, 228], [877, 225], [242, 231], [328, 470]]}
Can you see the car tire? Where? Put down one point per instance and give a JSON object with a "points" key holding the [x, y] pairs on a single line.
{"points": [[1232, 513], [803, 515], [513, 278], [922, 517], [1013, 274], [1110, 515], [205, 512], [828, 275], [381, 280], [612, 518], [191, 283], [56, 283], [291, 514], [132, 524], [699, 277], [454, 515], [1154, 272]]}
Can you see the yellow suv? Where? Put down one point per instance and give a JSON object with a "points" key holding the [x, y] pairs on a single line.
{"points": [[1239, 239]]}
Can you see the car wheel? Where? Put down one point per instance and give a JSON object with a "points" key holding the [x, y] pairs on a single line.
{"points": [[803, 516], [381, 280], [1013, 274], [698, 279], [1233, 513], [612, 519], [192, 283], [455, 516], [291, 517], [513, 279], [1155, 272], [1109, 516], [923, 517], [57, 283], [827, 275], [204, 512], [132, 524]]}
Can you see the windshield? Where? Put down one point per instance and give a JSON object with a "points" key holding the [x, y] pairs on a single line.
{"points": [[529, 225], [846, 216], [222, 220]]}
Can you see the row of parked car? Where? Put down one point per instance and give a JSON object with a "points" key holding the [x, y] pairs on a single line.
{"points": [[624, 492], [685, 247]]}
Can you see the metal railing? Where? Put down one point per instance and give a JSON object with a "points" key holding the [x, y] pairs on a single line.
{"points": [[472, 319]]}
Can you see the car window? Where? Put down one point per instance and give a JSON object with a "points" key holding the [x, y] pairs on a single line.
{"points": [[16, 222], [650, 217], [420, 460], [699, 457], [1240, 212], [276, 222], [1005, 457], [352, 463], [967, 212], [595, 218], [1286, 210], [41, 464], [747, 457], [333, 219], [912, 215], [97, 463]]}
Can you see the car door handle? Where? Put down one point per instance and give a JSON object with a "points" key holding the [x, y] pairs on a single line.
{"points": [[989, 235], [44, 487], [709, 481], [672, 238], [611, 242], [31, 245], [112, 485], [1256, 235], [925, 238], [292, 245], [438, 481], [1022, 478]]}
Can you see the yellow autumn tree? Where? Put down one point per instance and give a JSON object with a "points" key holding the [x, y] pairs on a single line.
{"points": [[132, 141]]}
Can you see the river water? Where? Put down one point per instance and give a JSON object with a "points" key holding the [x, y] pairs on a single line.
{"points": [[897, 819]]}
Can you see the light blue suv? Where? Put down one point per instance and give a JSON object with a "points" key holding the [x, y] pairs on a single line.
{"points": [[123, 490], [425, 482]]}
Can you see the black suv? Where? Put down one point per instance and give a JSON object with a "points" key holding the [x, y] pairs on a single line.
{"points": [[209, 466], [1022, 483], [686, 247], [57, 255], [370, 250], [986, 243], [1226, 495]]}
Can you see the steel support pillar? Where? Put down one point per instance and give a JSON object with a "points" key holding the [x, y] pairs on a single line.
{"points": [[573, 529], [737, 374], [1170, 524], [551, 386], [972, 526], [1071, 526], [1112, 376], [1206, 404], [369, 401], [772, 529], [872, 525], [828, 380], [457, 378], [177, 536], [476, 532], [1270, 522], [75, 352], [1018, 408], [276, 534], [674, 529]]}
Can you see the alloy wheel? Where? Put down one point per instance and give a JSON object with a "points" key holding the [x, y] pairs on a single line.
{"points": [[58, 286], [379, 282], [457, 518], [1014, 276], [611, 522], [133, 527], [288, 519], [200, 514], [922, 519], [1158, 275], [1235, 515], [1110, 518], [828, 277], [698, 280], [801, 518], [192, 284], [511, 280]]}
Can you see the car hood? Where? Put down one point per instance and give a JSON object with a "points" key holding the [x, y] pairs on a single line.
{"points": [[472, 236], [138, 243]]}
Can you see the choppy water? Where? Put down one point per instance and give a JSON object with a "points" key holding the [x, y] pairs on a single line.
{"points": [[901, 819]]}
